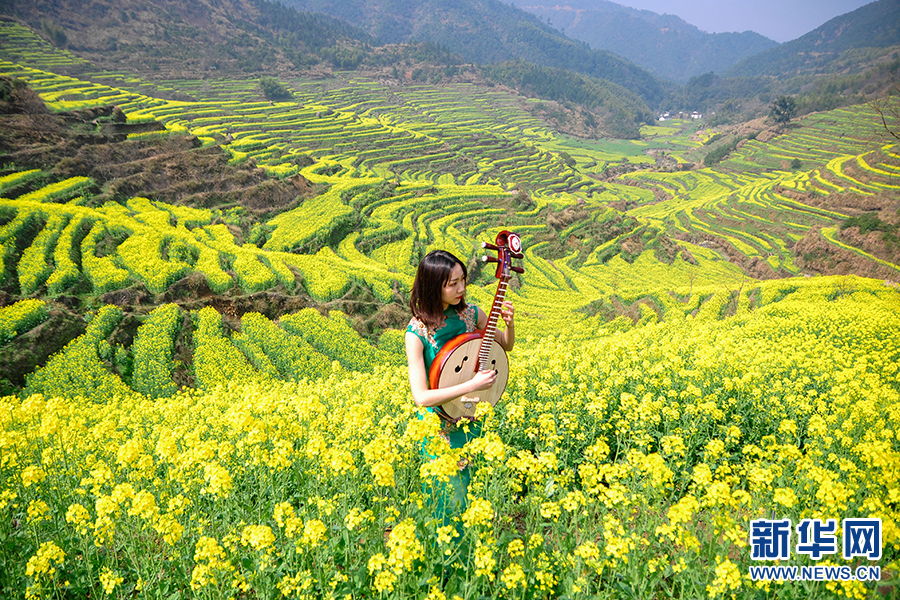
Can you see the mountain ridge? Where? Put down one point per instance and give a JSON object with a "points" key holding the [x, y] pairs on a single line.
{"points": [[176, 38], [489, 31], [875, 25], [664, 44]]}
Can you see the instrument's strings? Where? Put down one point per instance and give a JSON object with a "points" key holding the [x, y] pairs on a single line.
{"points": [[490, 331]]}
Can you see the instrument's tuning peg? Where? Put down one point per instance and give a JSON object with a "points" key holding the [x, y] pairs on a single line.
{"points": [[516, 254], [489, 246], [517, 269], [489, 259]]}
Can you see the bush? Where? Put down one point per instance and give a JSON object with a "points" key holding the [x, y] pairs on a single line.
{"points": [[273, 89], [869, 222], [55, 33], [717, 154], [783, 109]]}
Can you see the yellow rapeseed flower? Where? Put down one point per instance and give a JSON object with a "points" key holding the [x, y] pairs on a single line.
{"points": [[516, 548], [384, 582], [588, 551], [513, 576], [479, 512], [78, 516], [32, 475], [383, 473], [37, 511], [550, 510], [357, 517], [404, 548], [143, 505], [484, 562], [441, 468], [109, 579], [785, 497], [258, 537], [46, 559], [728, 579], [313, 533], [218, 480]]}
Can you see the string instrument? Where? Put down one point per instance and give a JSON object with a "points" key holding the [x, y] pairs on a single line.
{"points": [[466, 354]]}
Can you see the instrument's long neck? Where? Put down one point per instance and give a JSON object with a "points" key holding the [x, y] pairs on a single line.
{"points": [[490, 332]]}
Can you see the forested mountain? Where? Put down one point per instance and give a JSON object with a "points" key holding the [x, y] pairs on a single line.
{"points": [[193, 37], [488, 31], [171, 39], [848, 60], [663, 44], [842, 44], [477, 41]]}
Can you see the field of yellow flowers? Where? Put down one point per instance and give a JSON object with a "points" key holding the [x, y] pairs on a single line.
{"points": [[620, 464]]}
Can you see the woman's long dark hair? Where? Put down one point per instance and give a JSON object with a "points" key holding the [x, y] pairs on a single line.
{"points": [[425, 297]]}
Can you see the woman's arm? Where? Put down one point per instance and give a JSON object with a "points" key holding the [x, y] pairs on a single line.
{"points": [[509, 334], [507, 337], [418, 379]]}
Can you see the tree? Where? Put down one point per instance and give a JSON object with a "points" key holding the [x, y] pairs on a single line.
{"points": [[55, 33], [783, 109], [273, 89], [888, 109]]}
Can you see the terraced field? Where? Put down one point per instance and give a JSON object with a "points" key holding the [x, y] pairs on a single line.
{"points": [[452, 152], [748, 201]]}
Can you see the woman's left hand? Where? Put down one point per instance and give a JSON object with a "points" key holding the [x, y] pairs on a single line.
{"points": [[507, 313]]}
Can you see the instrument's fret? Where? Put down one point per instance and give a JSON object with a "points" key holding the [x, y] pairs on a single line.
{"points": [[490, 330]]}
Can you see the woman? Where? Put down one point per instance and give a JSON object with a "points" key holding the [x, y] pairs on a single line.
{"points": [[440, 313]]}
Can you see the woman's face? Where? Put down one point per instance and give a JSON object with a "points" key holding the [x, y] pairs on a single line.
{"points": [[454, 288]]}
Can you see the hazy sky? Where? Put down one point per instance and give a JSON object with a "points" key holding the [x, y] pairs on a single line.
{"points": [[780, 20]]}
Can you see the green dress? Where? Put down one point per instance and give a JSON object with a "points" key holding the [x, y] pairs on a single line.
{"points": [[451, 499]]}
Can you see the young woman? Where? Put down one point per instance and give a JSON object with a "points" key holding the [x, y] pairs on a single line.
{"points": [[440, 313]]}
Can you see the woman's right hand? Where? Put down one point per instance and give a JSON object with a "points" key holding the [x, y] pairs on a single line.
{"points": [[483, 380]]}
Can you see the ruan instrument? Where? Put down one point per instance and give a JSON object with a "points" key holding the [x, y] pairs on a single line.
{"points": [[466, 354]]}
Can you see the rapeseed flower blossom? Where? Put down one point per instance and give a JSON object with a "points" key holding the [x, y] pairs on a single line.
{"points": [[357, 517], [258, 537], [513, 576], [109, 579], [37, 511], [48, 557], [484, 561], [441, 468], [32, 474], [659, 445], [728, 579], [404, 547], [478, 513], [313, 533]]}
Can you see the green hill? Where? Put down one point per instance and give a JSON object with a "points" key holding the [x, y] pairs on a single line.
{"points": [[487, 31], [833, 47], [665, 45], [197, 38], [253, 37]]}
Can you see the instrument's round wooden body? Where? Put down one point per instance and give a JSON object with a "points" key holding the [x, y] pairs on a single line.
{"points": [[457, 362]]}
